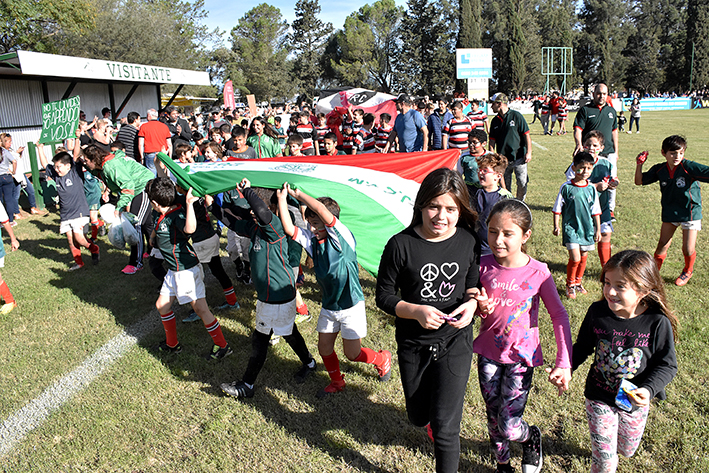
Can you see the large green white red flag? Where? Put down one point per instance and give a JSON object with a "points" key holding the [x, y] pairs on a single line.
{"points": [[375, 191]]}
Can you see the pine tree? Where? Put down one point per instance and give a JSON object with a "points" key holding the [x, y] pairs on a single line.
{"points": [[697, 41], [308, 43]]}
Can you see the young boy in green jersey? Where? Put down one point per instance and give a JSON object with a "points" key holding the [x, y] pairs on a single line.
{"points": [[681, 200], [578, 203], [332, 247], [184, 280], [274, 281]]}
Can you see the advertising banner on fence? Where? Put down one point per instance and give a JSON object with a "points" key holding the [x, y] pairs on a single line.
{"points": [[60, 119], [659, 104]]}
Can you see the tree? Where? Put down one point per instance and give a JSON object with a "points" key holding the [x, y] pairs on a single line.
{"points": [[259, 43], [557, 22], [469, 24], [697, 43], [642, 51], [367, 46], [308, 43], [33, 24]]}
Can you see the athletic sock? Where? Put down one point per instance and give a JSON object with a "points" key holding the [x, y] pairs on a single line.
{"points": [[604, 251], [76, 253], [659, 259], [332, 365], [571, 268], [367, 355], [581, 268], [302, 309], [5, 293], [689, 262], [94, 230], [170, 326], [215, 331], [230, 295], [93, 248]]}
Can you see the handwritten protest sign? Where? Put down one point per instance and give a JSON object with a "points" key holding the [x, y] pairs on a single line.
{"points": [[60, 119]]}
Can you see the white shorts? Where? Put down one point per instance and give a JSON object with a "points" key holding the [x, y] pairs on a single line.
{"points": [[277, 317], [75, 224], [187, 285], [237, 246], [2, 262], [351, 323], [207, 249], [606, 227], [691, 225], [574, 246]]}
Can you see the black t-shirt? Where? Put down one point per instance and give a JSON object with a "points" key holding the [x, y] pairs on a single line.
{"points": [[427, 273], [70, 188]]}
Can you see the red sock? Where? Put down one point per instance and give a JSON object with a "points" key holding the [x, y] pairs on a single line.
{"points": [[689, 262], [5, 293], [94, 230], [581, 268], [215, 331], [302, 309], [230, 295], [170, 326], [604, 251], [571, 268], [76, 253], [367, 355], [93, 248], [659, 259], [332, 365]]}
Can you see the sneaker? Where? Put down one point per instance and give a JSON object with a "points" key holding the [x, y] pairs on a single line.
{"points": [[637, 132], [683, 278], [532, 451], [75, 266], [102, 230], [165, 348], [504, 468], [13, 224], [7, 308], [570, 292], [191, 317], [95, 258], [130, 269], [384, 368], [612, 216], [36, 211], [226, 305], [239, 268], [580, 289], [237, 389], [630, 132], [304, 371], [218, 353], [332, 388], [274, 339]]}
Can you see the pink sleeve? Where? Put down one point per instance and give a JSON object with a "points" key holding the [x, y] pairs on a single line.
{"points": [[560, 321]]}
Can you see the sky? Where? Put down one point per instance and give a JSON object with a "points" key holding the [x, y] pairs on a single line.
{"points": [[225, 15]]}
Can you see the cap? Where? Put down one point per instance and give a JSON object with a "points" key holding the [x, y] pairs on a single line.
{"points": [[499, 97]]}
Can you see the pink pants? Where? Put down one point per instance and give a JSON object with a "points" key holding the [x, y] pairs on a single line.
{"points": [[613, 431]]}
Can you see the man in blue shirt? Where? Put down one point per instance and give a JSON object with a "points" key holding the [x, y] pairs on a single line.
{"points": [[410, 127]]}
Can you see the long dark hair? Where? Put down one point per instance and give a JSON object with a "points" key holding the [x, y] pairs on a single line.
{"points": [[444, 181], [640, 270], [267, 128]]}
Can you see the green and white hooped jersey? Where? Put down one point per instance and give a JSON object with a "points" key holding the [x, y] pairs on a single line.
{"points": [[577, 206]]}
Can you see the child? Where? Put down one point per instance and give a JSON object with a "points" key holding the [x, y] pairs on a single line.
{"points": [[621, 122], [321, 130], [604, 179], [275, 288], [577, 201], [508, 344], [455, 132], [74, 210], [280, 132], [332, 247], [348, 137], [184, 280], [681, 200], [183, 153], [476, 116], [632, 331], [364, 139], [240, 149], [427, 278], [383, 131], [562, 115], [9, 303], [330, 145], [491, 169], [295, 145], [467, 164], [213, 153], [307, 131]]}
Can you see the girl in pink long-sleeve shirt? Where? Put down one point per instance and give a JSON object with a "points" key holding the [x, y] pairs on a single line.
{"points": [[508, 345]]}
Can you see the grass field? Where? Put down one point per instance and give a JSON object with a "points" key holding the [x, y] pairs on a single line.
{"points": [[148, 413]]}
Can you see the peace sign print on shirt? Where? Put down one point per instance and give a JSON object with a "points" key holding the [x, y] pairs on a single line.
{"points": [[430, 274]]}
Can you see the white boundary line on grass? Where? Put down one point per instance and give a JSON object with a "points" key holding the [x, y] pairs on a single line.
{"points": [[539, 146], [33, 414]]}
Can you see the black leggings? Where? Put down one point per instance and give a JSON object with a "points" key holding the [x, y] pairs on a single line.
{"points": [[141, 208], [259, 350], [215, 266]]}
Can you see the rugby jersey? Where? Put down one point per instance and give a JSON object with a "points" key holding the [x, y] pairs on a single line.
{"points": [[457, 131]]}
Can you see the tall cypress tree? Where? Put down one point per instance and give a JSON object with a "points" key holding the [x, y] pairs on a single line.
{"points": [[697, 40], [308, 43]]}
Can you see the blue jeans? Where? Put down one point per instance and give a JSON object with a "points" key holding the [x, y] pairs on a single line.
{"points": [[30, 193], [7, 195], [150, 162]]}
